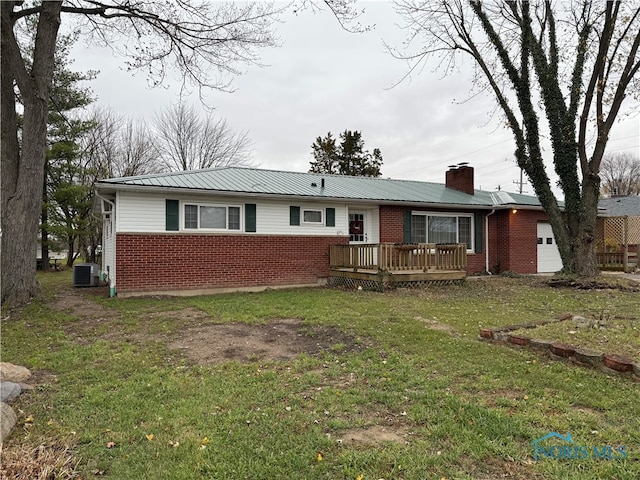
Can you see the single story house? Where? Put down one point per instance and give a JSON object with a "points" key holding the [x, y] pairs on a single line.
{"points": [[232, 228]]}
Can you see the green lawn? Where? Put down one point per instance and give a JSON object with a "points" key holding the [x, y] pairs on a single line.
{"points": [[408, 393]]}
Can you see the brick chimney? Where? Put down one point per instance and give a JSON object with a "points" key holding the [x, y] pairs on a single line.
{"points": [[460, 177]]}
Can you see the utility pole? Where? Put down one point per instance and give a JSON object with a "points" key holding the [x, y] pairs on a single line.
{"points": [[520, 183]]}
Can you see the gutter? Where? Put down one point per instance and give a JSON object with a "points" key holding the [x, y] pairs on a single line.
{"points": [[486, 229], [112, 284]]}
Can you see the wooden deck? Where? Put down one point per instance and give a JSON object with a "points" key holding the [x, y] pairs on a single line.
{"points": [[389, 264]]}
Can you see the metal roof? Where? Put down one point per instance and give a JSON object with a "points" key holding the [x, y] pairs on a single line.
{"points": [[620, 206], [258, 182]]}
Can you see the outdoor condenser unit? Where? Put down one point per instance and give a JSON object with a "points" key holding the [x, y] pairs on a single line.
{"points": [[86, 275]]}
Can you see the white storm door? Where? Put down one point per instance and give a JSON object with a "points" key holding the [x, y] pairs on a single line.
{"points": [[358, 227]]}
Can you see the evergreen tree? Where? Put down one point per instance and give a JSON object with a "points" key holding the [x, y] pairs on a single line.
{"points": [[348, 158], [325, 153], [68, 182]]}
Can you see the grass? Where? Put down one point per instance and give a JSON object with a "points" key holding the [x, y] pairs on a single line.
{"points": [[129, 407]]}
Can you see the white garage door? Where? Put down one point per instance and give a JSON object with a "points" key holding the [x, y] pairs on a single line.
{"points": [[548, 256]]}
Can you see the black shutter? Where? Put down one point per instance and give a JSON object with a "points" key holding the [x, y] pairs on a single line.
{"points": [[406, 231], [479, 221], [330, 215], [294, 215], [249, 217], [172, 215]]}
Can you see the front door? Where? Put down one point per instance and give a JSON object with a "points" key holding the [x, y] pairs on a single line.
{"points": [[357, 228]]}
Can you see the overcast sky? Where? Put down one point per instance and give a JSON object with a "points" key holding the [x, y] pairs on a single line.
{"points": [[323, 79]]}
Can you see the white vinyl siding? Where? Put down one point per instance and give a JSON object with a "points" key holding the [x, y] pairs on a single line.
{"points": [[108, 260], [138, 212], [273, 218]]}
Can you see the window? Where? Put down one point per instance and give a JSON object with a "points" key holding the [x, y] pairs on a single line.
{"points": [[312, 216], [436, 228], [211, 217]]}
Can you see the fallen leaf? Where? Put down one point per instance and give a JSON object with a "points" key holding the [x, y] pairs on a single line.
{"points": [[204, 441], [150, 437], [111, 444], [29, 419], [319, 456]]}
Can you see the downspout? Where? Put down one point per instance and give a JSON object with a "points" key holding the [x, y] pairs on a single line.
{"points": [[486, 229], [112, 285]]}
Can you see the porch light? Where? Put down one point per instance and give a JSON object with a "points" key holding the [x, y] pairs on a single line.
{"points": [[514, 210]]}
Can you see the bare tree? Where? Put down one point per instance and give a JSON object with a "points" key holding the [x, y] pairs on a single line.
{"points": [[119, 147], [189, 141], [206, 42], [620, 174], [571, 64]]}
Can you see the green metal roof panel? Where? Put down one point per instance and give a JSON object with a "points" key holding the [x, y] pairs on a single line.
{"points": [[297, 184]]}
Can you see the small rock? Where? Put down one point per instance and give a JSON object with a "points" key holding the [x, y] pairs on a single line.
{"points": [[9, 391], [13, 373], [583, 322], [8, 420]]}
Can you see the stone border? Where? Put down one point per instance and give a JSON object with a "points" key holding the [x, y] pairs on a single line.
{"points": [[608, 362]]}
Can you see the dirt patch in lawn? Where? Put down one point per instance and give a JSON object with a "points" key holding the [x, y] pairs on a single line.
{"points": [[80, 302], [189, 333], [279, 340], [438, 326], [374, 435]]}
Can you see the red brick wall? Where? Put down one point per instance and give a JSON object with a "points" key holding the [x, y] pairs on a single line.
{"points": [[392, 231], [512, 239], [157, 262], [517, 247], [392, 224]]}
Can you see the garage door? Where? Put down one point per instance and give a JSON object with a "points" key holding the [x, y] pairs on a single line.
{"points": [[548, 255]]}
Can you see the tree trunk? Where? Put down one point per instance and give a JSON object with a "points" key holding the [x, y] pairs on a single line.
{"points": [[44, 227], [585, 260], [23, 168]]}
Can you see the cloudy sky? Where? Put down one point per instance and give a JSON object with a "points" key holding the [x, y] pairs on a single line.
{"points": [[323, 79]]}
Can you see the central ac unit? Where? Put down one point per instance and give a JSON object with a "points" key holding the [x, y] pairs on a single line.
{"points": [[86, 275]]}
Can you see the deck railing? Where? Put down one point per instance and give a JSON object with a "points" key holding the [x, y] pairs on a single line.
{"points": [[394, 257]]}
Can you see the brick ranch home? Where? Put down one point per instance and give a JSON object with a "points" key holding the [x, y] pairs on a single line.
{"points": [[232, 228]]}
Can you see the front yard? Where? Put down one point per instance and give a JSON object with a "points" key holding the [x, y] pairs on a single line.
{"points": [[317, 384]]}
